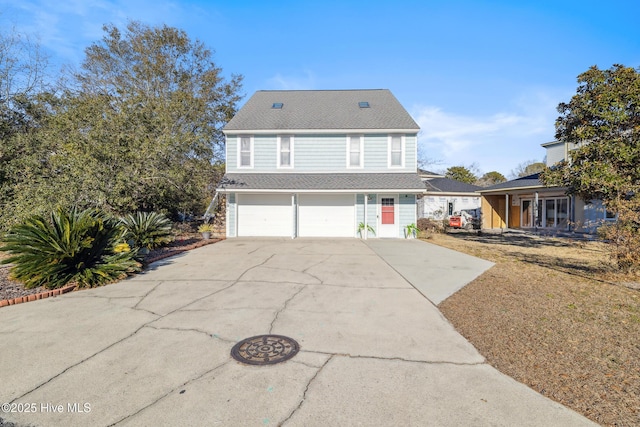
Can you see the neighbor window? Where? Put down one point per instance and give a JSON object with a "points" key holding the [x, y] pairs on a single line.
{"points": [[355, 151], [246, 152], [395, 151], [285, 151]]}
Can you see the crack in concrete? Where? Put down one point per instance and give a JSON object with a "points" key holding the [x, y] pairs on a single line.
{"points": [[306, 390], [81, 362], [308, 365], [290, 270], [255, 266], [366, 287], [399, 359], [120, 340], [306, 270], [423, 362], [147, 294], [173, 390], [284, 306]]}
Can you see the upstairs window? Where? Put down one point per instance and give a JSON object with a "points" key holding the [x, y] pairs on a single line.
{"points": [[246, 152], [396, 151], [285, 151], [354, 154]]}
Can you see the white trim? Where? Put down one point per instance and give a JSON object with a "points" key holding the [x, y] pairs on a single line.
{"points": [[294, 216], [320, 171], [361, 155], [279, 154], [235, 215], [366, 205], [239, 148], [321, 131], [326, 191], [355, 214], [402, 153], [226, 221]]}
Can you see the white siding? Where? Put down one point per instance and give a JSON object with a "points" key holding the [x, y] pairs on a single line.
{"points": [[435, 207]]}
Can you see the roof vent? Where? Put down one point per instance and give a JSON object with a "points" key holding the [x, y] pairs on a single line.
{"points": [[363, 104], [277, 105]]}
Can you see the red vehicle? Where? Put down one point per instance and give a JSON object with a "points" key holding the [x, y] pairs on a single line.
{"points": [[464, 220]]}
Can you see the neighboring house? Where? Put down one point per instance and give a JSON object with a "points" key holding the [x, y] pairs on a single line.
{"points": [[424, 174], [445, 196], [320, 163], [528, 204]]}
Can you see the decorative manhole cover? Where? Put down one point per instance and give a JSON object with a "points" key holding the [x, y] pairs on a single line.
{"points": [[265, 350]]}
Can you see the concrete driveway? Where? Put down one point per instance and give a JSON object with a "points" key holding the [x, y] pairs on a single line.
{"points": [[155, 349]]}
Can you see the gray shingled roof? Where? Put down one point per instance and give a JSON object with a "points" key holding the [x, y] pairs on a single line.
{"points": [[322, 110], [409, 182], [524, 182], [446, 185]]}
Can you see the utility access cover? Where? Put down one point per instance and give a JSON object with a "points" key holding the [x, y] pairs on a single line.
{"points": [[265, 350]]}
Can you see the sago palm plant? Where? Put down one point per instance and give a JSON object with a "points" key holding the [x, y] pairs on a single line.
{"points": [[81, 247], [147, 229]]}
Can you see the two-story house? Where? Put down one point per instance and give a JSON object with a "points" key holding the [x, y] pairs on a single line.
{"points": [[321, 163]]}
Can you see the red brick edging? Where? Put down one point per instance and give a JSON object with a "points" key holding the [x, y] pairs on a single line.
{"points": [[41, 295], [69, 288]]}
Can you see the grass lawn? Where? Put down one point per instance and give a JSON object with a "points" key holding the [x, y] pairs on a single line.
{"points": [[552, 315]]}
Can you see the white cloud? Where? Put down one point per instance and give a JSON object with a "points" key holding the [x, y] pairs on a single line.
{"points": [[66, 28], [281, 82], [491, 140]]}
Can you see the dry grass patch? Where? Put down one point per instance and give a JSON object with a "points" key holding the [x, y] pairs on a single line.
{"points": [[553, 316]]}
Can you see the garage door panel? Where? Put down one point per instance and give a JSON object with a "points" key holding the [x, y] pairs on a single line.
{"points": [[326, 215], [265, 215]]}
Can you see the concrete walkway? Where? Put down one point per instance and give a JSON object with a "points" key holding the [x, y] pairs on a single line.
{"points": [[154, 350]]}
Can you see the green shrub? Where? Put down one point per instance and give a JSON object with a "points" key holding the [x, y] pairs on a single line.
{"points": [[147, 229], [85, 248]]}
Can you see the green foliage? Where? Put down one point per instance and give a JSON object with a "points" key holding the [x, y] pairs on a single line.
{"points": [[68, 247], [527, 168], [362, 226], [491, 178], [411, 230], [138, 128], [147, 229], [601, 125], [461, 173]]}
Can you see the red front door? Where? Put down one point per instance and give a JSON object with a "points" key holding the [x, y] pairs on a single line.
{"points": [[388, 214]]}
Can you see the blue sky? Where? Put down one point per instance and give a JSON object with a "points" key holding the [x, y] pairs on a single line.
{"points": [[481, 78]]}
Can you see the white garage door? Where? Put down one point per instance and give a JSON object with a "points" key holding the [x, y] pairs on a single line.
{"points": [[265, 215], [326, 215]]}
